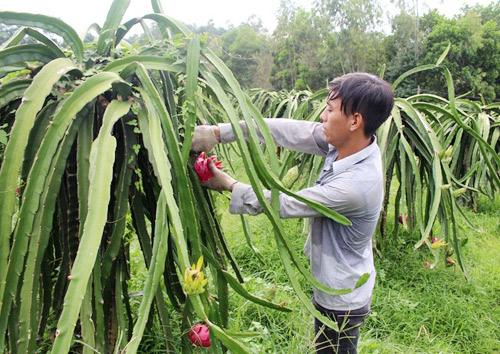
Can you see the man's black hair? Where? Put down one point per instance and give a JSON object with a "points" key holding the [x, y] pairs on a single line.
{"points": [[366, 94]]}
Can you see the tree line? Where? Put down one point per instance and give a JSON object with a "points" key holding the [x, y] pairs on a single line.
{"points": [[310, 47]]}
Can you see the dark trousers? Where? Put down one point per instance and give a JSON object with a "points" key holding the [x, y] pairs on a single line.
{"points": [[329, 341]]}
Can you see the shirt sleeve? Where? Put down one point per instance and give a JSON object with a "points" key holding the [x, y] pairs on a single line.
{"points": [[297, 135], [340, 198]]}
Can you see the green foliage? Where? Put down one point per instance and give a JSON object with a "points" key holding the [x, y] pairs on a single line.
{"points": [[414, 310], [297, 53], [474, 56], [101, 132], [334, 37], [351, 29], [88, 253], [94, 135], [415, 145], [3, 136], [402, 51], [245, 50]]}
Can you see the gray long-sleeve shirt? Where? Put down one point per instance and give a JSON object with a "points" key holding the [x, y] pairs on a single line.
{"points": [[352, 186]]}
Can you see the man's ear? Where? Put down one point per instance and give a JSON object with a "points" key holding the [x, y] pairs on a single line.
{"points": [[357, 122]]}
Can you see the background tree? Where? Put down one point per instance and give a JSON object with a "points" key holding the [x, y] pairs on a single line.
{"points": [[310, 47], [246, 51], [299, 46], [352, 29], [209, 29], [474, 57], [400, 51]]}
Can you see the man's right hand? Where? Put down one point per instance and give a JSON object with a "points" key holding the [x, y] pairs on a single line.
{"points": [[220, 180], [205, 138]]}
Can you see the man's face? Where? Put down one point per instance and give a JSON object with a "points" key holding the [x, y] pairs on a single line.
{"points": [[335, 123]]}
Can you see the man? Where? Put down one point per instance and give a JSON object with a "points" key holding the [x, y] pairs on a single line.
{"points": [[350, 183]]}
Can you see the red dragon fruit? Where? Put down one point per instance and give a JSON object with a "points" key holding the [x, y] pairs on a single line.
{"points": [[200, 335], [201, 166]]}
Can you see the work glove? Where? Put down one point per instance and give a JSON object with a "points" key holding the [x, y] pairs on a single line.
{"points": [[204, 138], [220, 181]]}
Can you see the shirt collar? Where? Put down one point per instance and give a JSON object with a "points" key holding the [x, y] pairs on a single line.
{"points": [[346, 162]]}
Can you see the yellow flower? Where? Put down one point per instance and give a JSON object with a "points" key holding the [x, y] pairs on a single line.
{"points": [[439, 244], [194, 281]]}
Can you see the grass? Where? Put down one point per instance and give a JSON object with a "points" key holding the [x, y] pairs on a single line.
{"points": [[414, 309]]}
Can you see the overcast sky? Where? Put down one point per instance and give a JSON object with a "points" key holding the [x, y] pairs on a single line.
{"points": [[82, 13]]}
